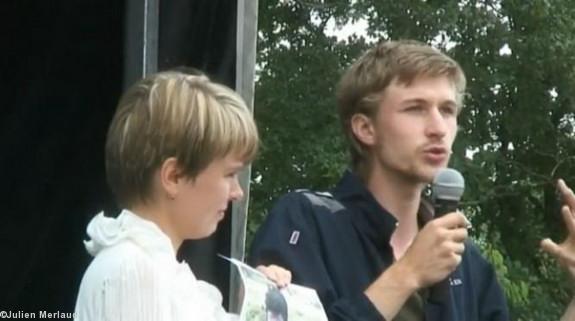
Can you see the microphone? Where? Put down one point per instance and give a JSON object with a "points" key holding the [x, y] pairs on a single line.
{"points": [[446, 188]]}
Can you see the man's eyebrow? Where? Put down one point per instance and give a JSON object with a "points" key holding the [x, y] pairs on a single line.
{"points": [[450, 103], [413, 100], [421, 100]]}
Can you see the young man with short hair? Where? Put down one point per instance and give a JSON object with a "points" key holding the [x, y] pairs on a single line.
{"points": [[371, 248]]}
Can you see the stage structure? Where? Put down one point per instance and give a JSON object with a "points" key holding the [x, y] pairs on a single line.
{"points": [[160, 35], [68, 63]]}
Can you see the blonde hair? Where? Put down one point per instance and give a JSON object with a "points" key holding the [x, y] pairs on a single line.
{"points": [[361, 87], [173, 114]]}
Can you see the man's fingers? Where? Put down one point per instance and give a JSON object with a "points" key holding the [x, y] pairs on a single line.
{"points": [[558, 252], [567, 260], [459, 234], [550, 247], [566, 193], [456, 260], [458, 248], [569, 219], [452, 220]]}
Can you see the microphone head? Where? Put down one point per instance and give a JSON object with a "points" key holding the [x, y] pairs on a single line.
{"points": [[448, 185]]}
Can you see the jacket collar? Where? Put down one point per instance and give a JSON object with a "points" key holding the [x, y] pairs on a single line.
{"points": [[373, 220]]}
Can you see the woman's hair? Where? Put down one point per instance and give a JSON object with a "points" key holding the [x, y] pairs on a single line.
{"points": [[174, 114]]}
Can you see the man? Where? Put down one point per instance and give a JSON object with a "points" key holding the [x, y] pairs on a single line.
{"points": [[370, 248]]}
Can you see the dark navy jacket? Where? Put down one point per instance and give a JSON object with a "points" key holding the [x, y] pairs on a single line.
{"points": [[339, 245]]}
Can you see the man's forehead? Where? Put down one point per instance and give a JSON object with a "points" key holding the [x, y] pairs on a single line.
{"points": [[400, 94], [411, 81]]}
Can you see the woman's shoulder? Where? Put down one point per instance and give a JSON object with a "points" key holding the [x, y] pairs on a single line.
{"points": [[121, 263], [122, 280]]}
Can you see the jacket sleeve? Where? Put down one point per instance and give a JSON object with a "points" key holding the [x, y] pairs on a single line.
{"points": [[491, 301], [290, 237]]}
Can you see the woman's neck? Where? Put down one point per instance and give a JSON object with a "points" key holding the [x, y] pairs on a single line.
{"points": [[158, 215]]}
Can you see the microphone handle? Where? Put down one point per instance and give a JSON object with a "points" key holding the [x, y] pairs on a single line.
{"points": [[442, 207], [440, 291]]}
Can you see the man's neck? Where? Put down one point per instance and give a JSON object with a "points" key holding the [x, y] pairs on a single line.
{"points": [[398, 195], [401, 197]]}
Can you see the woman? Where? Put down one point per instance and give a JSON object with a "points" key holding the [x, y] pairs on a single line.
{"points": [[173, 152]]}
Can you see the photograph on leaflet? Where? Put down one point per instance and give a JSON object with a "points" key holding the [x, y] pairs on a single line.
{"points": [[264, 301]]}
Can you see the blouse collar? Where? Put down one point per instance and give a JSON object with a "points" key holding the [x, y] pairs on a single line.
{"points": [[105, 232]]}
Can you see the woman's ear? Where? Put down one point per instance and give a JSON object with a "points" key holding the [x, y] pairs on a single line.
{"points": [[170, 176], [362, 127]]}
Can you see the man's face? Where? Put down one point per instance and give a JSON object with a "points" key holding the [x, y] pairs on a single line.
{"points": [[415, 128]]}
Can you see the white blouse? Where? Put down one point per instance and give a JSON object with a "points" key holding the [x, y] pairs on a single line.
{"points": [[135, 277]]}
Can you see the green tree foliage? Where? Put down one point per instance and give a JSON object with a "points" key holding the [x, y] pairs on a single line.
{"points": [[517, 126]]}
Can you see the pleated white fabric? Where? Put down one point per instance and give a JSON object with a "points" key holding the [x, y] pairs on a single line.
{"points": [[135, 276]]}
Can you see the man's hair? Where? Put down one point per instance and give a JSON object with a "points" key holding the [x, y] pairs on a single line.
{"points": [[361, 88], [174, 114]]}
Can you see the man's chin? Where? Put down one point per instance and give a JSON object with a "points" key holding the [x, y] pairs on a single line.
{"points": [[426, 176], [432, 172]]}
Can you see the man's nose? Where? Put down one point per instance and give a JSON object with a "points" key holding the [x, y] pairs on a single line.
{"points": [[436, 123]]}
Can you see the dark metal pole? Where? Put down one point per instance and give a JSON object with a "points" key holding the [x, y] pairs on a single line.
{"points": [[247, 17], [141, 39]]}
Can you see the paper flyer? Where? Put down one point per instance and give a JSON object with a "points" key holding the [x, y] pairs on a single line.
{"points": [[263, 301]]}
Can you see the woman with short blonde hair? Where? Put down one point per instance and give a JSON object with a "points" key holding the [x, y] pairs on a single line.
{"points": [[173, 152]]}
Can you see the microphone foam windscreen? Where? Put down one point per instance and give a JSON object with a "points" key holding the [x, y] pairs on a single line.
{"points": [[448, 184]]}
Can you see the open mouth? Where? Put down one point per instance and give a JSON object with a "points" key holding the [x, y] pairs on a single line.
{"points": [[436, 154]]}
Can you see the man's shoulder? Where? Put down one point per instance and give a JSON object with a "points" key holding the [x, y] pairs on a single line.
{"points": [[303, 193], [481, 279], [472, 249], [307, 200], [315, 193], [475, 259]]}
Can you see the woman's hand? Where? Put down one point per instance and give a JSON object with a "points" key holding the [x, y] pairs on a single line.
{"points": [[279, 275]]}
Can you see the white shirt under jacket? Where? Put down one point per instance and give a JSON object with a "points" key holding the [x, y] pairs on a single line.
{"points": [[135, 277]]}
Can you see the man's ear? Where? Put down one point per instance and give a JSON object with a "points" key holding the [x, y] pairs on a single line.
{"points": [[170, 176], [362, 127]]}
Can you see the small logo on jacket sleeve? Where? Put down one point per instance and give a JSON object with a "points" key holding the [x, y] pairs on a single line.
{"points": [[455, 281], [294, 237]]}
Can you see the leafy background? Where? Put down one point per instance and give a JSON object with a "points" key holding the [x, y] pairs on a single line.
{"points": [[517, 126]]}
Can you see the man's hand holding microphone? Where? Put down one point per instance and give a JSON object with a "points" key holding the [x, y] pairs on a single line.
{"points": [[433, 255]]}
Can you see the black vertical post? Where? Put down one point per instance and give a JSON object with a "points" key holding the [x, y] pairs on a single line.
{"points": [[61, 78], [247, 17], [202, 34], [140, 39]]}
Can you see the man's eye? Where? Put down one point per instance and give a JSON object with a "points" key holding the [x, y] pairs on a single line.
{"points": [[415, 108], [449, 110]]}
